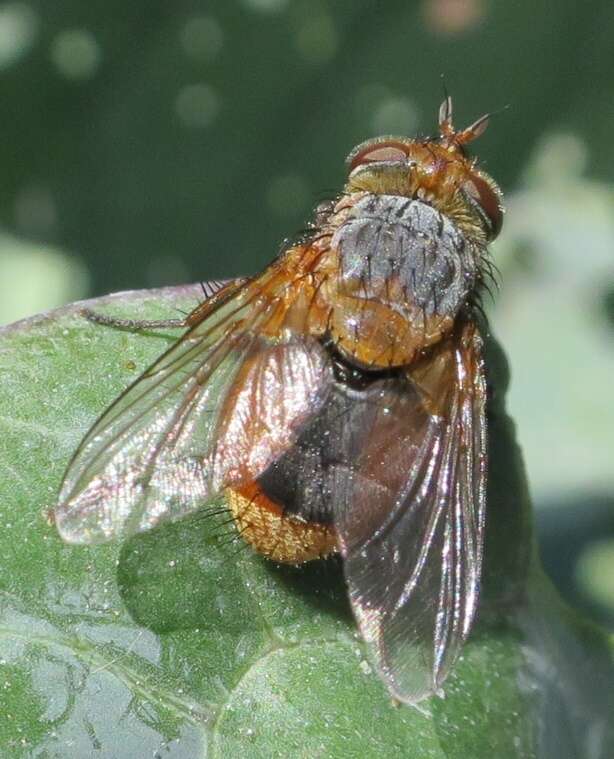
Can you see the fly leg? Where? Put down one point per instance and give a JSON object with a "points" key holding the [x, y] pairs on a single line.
{"points": [[213, 292], [133, 325]]}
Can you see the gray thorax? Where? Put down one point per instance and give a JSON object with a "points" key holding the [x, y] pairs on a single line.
{"points": [[390, 237]]}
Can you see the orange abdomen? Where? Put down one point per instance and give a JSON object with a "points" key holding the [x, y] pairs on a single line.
{"points": [[277, 535]]}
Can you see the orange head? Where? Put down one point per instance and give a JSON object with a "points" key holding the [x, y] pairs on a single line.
{"points": [[436, 171]]}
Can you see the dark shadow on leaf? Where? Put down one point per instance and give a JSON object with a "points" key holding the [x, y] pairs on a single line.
{"points": [[187, 575], [184, 575], [319, 583]]}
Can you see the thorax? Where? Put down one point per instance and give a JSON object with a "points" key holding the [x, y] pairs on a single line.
{"points": [[394, 273]]}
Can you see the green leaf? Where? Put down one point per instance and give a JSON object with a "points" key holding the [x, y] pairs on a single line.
{"points": [[183, 643]]}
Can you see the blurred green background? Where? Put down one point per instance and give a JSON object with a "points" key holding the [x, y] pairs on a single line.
{"points": [[153, 143]]}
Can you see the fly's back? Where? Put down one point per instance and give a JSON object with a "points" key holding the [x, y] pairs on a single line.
{"points": [[402, 247]]}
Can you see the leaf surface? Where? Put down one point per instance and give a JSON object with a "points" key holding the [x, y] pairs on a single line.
{"points": [[183, 643]]}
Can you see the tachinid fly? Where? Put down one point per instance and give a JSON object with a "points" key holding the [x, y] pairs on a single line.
{"points": [[338, 400]]}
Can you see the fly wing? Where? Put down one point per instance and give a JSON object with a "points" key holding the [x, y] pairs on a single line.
{"points": [[410, 518], [215, 409]]}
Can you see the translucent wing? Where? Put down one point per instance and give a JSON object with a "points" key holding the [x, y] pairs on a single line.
{"points": [[213, 410], [401, 461], [410, 518]]}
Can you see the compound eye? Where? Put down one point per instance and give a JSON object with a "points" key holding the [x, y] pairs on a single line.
{"points": [[488, 197], [378, 151]]}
